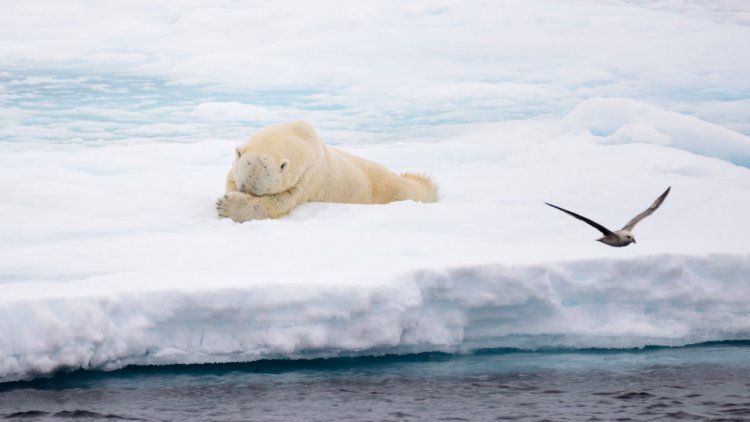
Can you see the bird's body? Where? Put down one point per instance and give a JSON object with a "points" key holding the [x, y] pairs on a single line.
{"points": [[624, 236], [618, 239]]}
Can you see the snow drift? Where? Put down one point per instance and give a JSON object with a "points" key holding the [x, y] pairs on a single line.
{"points": [[623, 120]]}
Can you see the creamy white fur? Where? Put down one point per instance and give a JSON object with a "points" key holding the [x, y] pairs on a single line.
{"points": [[285, 165]]}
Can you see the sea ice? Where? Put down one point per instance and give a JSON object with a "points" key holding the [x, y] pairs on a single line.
{"points": [[118, 123]]}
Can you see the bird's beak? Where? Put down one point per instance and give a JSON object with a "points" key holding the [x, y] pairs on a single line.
{"points": [[634, 240]]}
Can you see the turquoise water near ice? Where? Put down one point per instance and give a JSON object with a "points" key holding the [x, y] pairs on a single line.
{"points": [[420, 365], [704, 381]]}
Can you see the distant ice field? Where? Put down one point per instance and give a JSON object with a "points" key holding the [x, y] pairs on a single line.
{"points": [[384, 72]]}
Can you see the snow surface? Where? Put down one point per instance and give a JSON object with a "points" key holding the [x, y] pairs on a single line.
{"points": [[114, 148]]}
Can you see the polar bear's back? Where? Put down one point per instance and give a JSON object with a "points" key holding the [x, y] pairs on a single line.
{"points": [[353, 179]]}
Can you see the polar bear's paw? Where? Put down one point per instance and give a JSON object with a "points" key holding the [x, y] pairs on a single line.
{"points": [[241, 207]]}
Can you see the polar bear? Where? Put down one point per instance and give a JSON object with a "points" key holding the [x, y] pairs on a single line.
{"points": [[285, 165]]}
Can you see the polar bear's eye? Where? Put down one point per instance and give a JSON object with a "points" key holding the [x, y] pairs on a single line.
{"points": [[284, 163], [237, 152]]}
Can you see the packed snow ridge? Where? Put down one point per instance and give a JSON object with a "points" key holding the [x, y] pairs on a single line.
{"points": [[661, 299], [624, 121]]}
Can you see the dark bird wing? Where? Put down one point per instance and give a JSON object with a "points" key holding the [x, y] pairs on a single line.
{"points": [[648, 212], [605, 231]]}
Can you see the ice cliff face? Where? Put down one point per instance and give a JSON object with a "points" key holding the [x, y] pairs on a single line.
{"points": [[605, 303]]}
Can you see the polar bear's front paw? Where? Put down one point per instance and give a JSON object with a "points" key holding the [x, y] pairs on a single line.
{"points": [[232, 205], [240, 207]]}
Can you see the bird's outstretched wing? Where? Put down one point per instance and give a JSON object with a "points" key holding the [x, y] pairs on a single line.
{"points": [[649, 211], [605, 231]]}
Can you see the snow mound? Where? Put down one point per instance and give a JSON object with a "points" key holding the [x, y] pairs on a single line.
{"points": [[624, 120]]}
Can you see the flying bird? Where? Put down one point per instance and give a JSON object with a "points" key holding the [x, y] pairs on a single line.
{"points": [[624, 236]]}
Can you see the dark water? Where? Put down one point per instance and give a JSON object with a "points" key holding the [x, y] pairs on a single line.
{"points": [[709, 382]]}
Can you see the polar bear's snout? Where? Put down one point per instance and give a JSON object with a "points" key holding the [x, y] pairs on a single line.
{"points": [[258, 174]]}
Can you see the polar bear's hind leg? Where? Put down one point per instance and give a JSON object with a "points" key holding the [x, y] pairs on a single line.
{"points": [[422, 188]]}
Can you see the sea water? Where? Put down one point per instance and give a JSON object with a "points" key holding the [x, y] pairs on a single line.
{"points": [[703, 382]]}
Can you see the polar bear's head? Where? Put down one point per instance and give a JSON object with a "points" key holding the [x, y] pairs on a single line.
{"points": [[276, 158]]}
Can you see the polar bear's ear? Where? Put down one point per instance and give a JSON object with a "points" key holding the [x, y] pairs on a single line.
{"points": [[284, 163], [237, 153]]}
